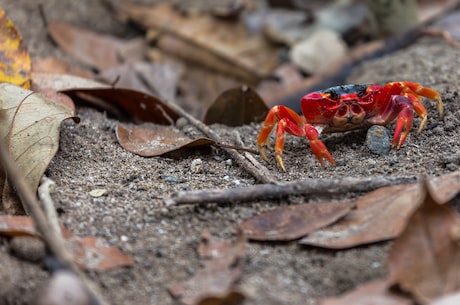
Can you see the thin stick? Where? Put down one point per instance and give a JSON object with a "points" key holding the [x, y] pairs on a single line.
{"points": [[48, 204], [258, 171], [307, 186], [52, 240]]}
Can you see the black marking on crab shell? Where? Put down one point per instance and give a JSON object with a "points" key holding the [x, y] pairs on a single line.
{"points": [[337, 91]]}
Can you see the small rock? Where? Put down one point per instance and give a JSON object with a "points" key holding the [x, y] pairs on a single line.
{"points": [[286, 26], [28, 248], [378, 140], [196, 166], [64, 287], [319, 52]]}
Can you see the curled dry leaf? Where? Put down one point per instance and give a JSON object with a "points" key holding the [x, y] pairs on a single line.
{"points": [[372, 293], [425, 258], [15, 64], [128, 104], [89, 252], [150, 140], [292, 222], [30, 128], [214, 283], [236, 107]]}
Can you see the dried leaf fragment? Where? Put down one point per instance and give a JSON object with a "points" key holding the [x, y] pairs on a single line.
{"points": [[236, 107], [128, 104], [89, 252], [371, 293], [425, 258], [214, 283], [379, 215], [150, 140], [15, 64], [292, 222], [96, 50]]}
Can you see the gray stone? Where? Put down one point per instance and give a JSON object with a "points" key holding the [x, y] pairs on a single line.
{"points": [[378, 140]]}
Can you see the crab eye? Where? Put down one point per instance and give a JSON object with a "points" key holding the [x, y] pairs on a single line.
{"points": [[334, 95], [362, 91]]}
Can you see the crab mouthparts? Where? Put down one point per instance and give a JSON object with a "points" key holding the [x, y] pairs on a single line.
{"points": [[349, 114]]}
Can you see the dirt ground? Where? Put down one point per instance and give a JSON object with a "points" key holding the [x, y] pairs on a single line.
{"points": [[163, 240]]}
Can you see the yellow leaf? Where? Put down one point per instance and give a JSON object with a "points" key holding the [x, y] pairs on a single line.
{"points": [[15, 64]]}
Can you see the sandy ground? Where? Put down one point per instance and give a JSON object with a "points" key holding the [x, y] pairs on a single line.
{"points": [[163, 240]]}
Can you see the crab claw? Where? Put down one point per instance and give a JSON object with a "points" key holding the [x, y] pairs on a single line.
{"points": [[317, 147], [321, 152], [404, 121]]}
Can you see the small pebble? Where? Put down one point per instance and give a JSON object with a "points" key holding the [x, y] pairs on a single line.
{"points": [[378, 140], [196, 166], [28, 248]]}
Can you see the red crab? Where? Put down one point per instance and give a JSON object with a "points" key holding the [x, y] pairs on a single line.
{"points": [[344, 108]]}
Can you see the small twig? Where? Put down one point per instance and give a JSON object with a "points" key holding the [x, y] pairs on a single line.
{"points": [[306, 186], [48, 204], [51, 239], [259, 172]]}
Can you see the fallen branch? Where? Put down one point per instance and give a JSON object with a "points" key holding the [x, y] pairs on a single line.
{"points": [[257, 170], [301, 187], [52, 240]]}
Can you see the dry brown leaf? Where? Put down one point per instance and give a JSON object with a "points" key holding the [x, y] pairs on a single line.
{"points": [[292, 222], [89, 252], [371, 293], [96, 50], [150, 140], [92, 253], [425, 258], [153, 78], [222, 45], [127, 104], [379, 215], [17, 226], [56, 65], [214, 283], [15, 65], [30, 128], [447, 186], [236, 107]]}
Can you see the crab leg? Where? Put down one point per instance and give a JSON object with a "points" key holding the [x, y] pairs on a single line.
{"points": [[420, 90], [404, 120], [317, 146], [289, 121]]}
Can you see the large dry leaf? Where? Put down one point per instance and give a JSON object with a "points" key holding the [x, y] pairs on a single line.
{"points": [[214, 283], [425, 258], [15, 64], [372, 293], [222, 45], [292, 222], [30, 127], [379, 215], [89, 252], [150, 140], [236, 107]]}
